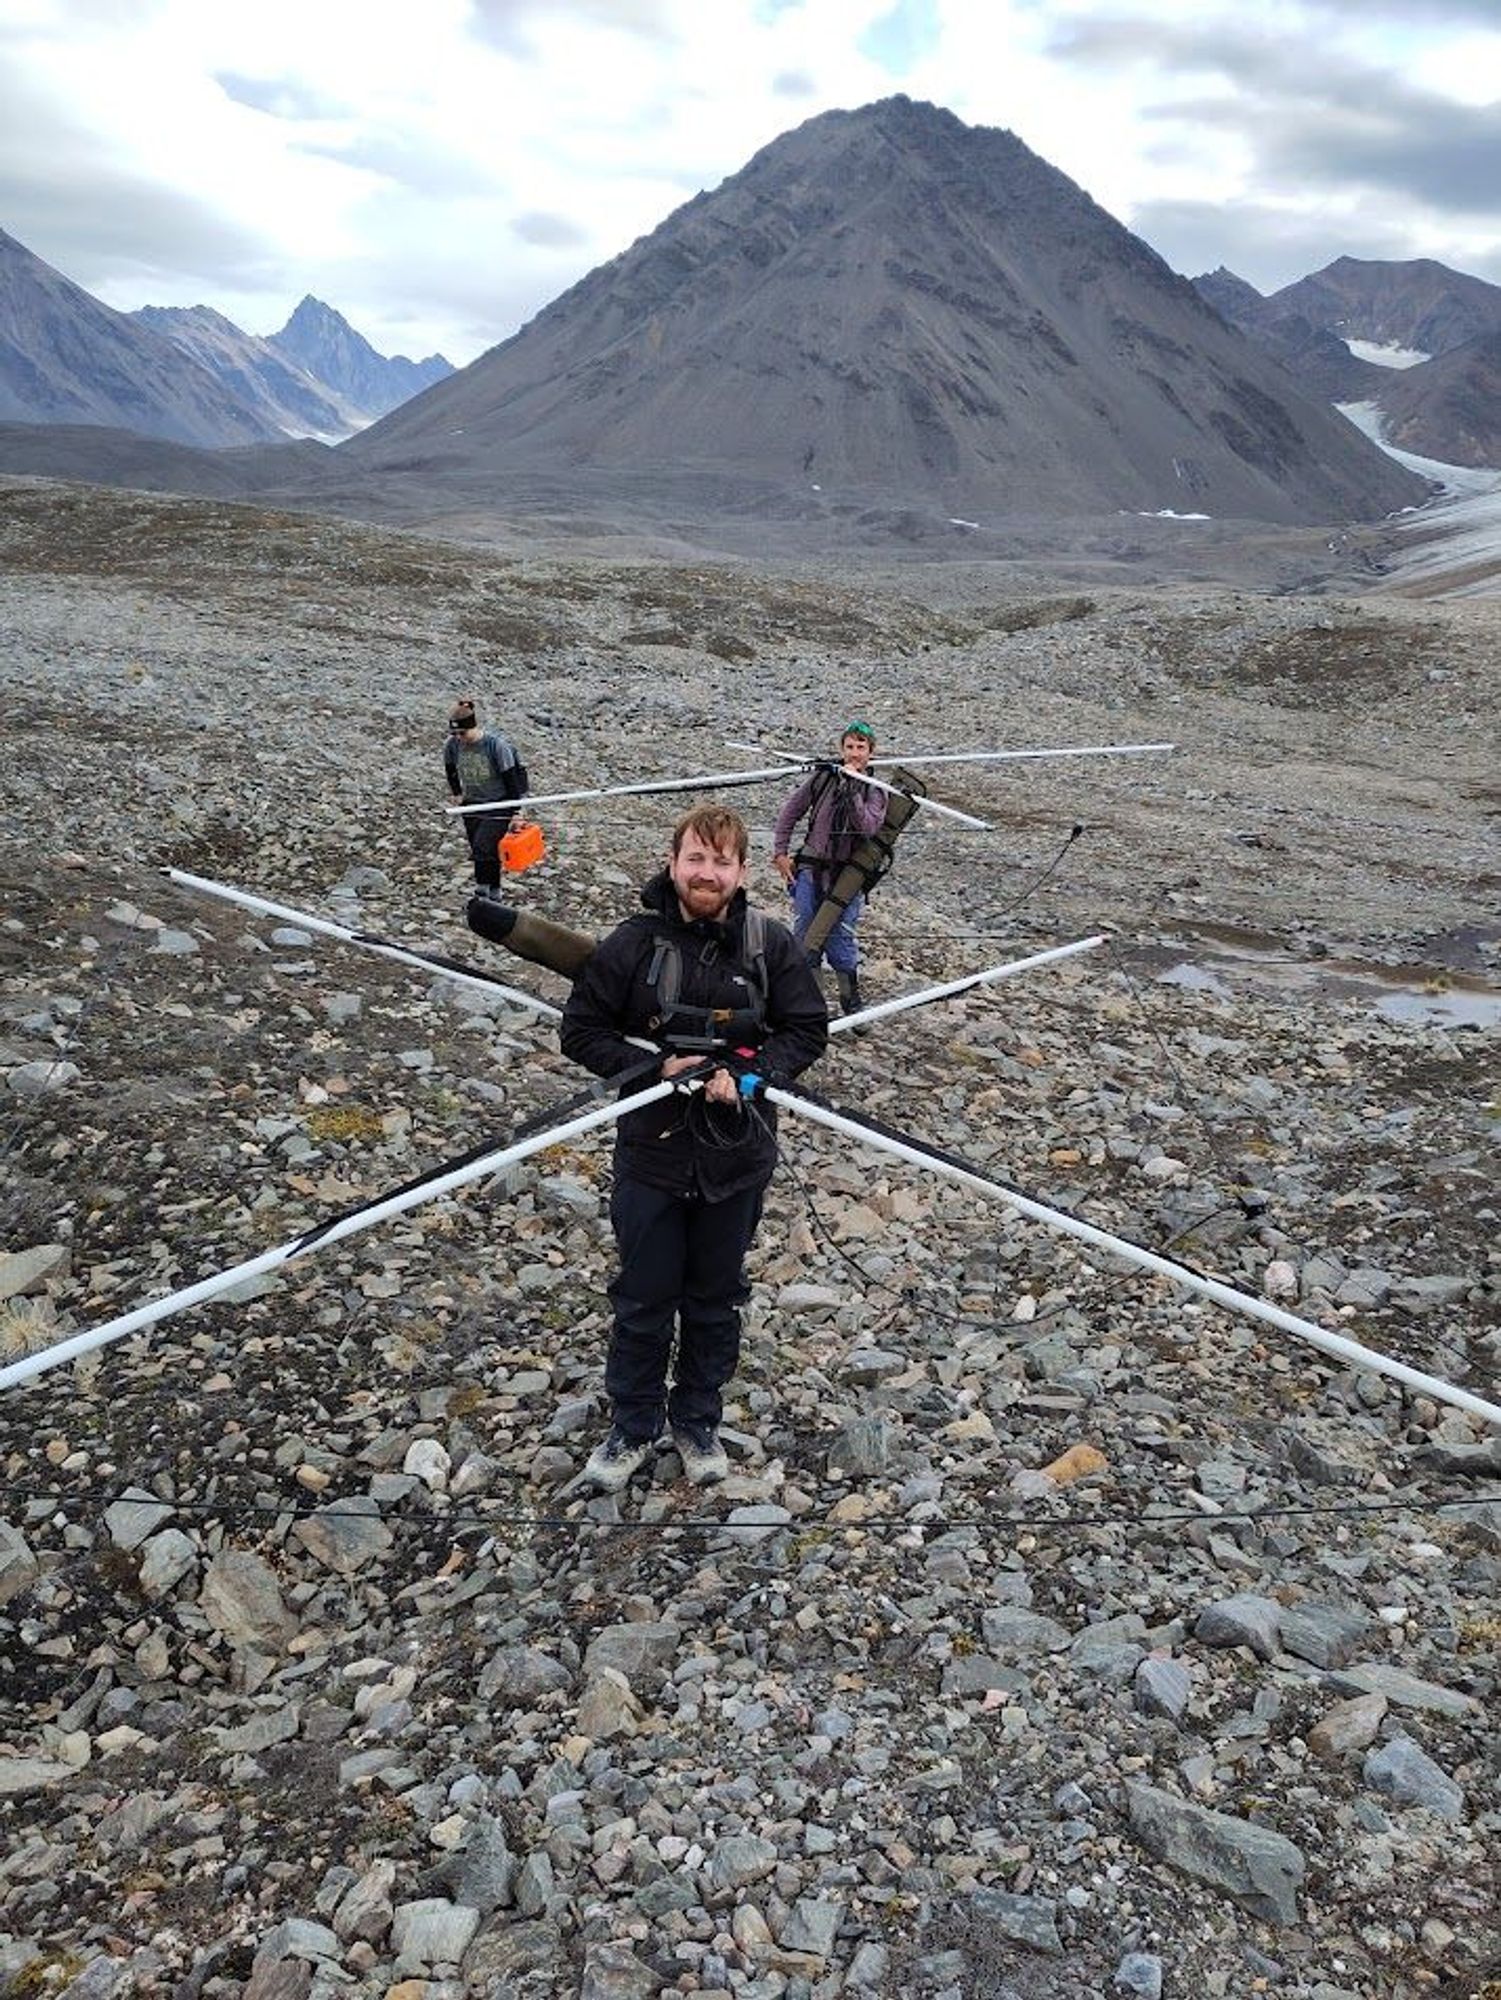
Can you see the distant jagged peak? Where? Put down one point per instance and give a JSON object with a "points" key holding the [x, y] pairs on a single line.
{"points": [[319, 338], [313, 321], [182, 316], [1230, 294], [312, 314]]}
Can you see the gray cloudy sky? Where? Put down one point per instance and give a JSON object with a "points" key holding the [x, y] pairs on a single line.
{"points": [[440, 173]]}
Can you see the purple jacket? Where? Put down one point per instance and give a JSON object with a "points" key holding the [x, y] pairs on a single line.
{"points": [[839, 811]]}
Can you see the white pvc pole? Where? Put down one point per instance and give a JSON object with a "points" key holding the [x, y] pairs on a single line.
{"points": [[845, 1023], [1008, 756], [918, 799], [322, 926], [869, 778], [1209, 1288], [284, 1253], [706, 782]]}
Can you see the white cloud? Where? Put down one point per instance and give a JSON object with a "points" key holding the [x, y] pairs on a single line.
{"points": [[440, 175]]}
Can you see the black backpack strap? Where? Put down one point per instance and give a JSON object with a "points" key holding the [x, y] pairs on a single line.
{"points": [[753, 950], [665, 974]]}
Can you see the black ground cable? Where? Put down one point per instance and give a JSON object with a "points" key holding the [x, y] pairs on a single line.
{"points": [[1263, 1211], [939, 1154], [441, 961], [949, 1159], [1008, 909], [1251, 1206], [555, 1115], [1138, 1525], [1102, 1293]]}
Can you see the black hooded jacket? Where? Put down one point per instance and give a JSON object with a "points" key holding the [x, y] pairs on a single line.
{"points": [[714, 1150]]}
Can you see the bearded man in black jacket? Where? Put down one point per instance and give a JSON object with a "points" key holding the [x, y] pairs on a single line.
{"points": [[706, 978]]}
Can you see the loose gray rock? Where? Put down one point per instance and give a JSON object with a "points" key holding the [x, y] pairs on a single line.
{"points": [[640, 1652], [1349, 1725], [101, 1979], [1028, 1920], [262, 1732], [507, 1951], [365, 1910], [165, 1560], [535, 1885], [1162, 1687], [345, 1535], [242, 1600], [1139, 1972], [1400, 1770], [482, 1873], [297, 1937], [1402, 1689], [521, 1675], [862, 1448], [1016, 1634], [1260, 1869], [431, 1932], [812, 1925], [608, 1708], [20, 1776], [1326, 1635], [869, 1365], [740, 1859], [1467, 1461], [613, 1972], [19, 1568], [24, 1273], [1246, 1620], [131, 1519], [37, 1079]]}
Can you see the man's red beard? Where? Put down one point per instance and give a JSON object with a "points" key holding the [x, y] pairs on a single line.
{"points": [[708, 893]]}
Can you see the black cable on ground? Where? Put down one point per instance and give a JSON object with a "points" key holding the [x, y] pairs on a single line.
{"points": [[1138, 1527]]}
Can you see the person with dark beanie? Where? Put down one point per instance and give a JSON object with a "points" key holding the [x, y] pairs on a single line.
{"points": [[482, 766]]}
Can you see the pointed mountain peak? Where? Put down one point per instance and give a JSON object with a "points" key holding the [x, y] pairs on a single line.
{"points": [[887, 308], [312, 315], [320, 340]]}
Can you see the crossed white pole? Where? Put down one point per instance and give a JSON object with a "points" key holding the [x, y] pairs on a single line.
{"points": [[790, 760], [476, 1168]]}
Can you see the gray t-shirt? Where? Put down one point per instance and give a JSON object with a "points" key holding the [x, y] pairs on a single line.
{"points": [[480, 769]]}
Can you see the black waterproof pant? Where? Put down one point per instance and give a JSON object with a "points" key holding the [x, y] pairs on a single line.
{"points": [[484, 831], [681, 1259]]}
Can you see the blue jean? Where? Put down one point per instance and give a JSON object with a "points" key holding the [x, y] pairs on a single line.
{"points": [[840, 948]]}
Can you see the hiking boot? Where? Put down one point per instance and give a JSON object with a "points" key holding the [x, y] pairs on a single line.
{"points": [[612, 1464], [704, 1460], [848, 983]]}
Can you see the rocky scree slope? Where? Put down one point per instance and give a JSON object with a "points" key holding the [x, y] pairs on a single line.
{"points": [[1053, 1635]]}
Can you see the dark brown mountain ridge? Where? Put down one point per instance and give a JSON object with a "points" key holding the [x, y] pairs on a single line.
{"points": [[1446, 407], [886, 307]]}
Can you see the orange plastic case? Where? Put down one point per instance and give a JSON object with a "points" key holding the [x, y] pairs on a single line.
{"points": [[523, 847]]}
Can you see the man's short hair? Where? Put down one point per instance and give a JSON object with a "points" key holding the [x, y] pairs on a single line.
{"points": [[716, 827]]}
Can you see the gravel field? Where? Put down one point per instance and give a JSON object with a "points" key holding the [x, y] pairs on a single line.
{"points": [[1058, 1634]]}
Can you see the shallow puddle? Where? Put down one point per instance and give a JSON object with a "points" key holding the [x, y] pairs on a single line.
{"points": [[1450, 1010], [1421, 1001]]}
